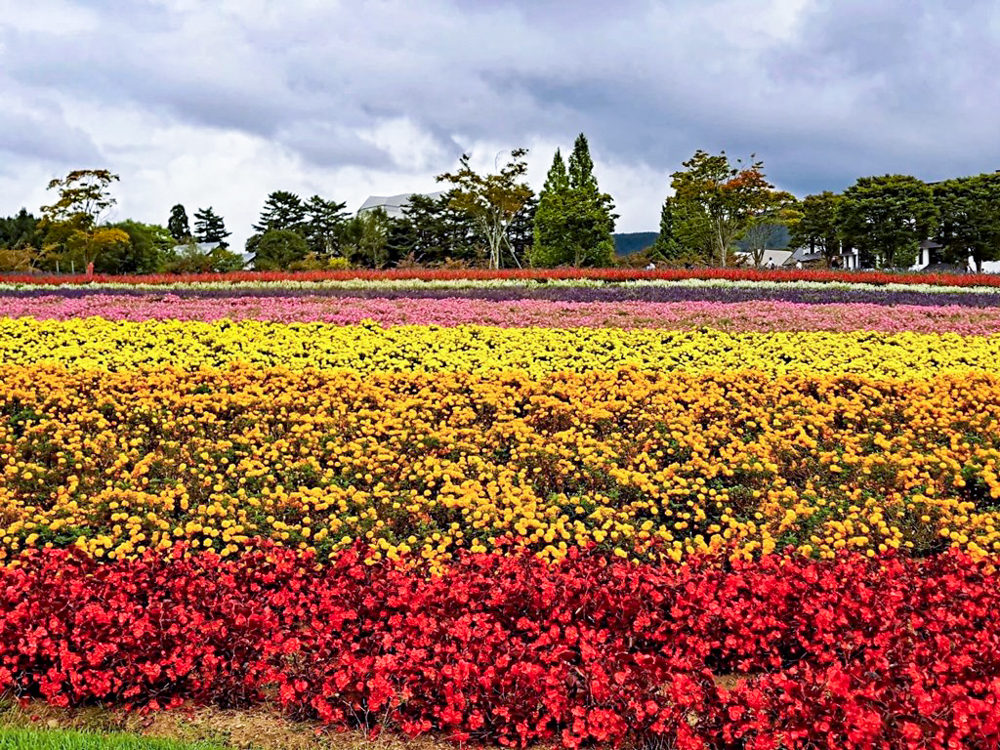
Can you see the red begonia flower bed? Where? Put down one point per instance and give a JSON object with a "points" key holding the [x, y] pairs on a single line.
{"points": [[781, 652]]}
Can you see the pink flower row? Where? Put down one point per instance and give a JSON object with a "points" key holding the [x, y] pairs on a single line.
{"points": [[758, 315]]}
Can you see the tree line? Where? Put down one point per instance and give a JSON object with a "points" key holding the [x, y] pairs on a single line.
{"points": [[721, 212], [726, 211]]}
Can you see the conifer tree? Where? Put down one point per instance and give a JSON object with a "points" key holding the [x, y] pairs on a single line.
{"points": [[590, 213], [210, 227], [552, 243], [575, 220], [282, 210], [666, 246], [178, 225]]}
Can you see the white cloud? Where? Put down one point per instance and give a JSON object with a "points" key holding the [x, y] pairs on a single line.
{"points": [[220, 103]]}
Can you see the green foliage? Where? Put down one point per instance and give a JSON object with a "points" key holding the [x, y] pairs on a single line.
{"points": [[84, 197], [667, 247], [552, 243], [969, 214], [715, 201], [693, 241], [72, 224], [492, 201], [19, 230], [178, 225], [767, 226], [318, 223], [324, 226], [189, 258], [575, 221], [146, 251], [210, 227], [277, 249], [431, 231], [33, 739], [366, 239], [818, 228], [282, 210], [886, 218], [20, 242], [592, 217]]}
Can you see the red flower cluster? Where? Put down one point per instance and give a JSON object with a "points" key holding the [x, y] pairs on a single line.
{"points": [[781, 652], [606, 274]]}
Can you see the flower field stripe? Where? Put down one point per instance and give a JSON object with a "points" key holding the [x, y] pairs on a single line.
{"points": [[116, 345], [213, 283], [508, 292], [427, 465], [853, 653], [758, 315], [753, 275]]}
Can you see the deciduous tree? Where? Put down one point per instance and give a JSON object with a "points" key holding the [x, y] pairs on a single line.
{"points": [[886, 218], [146, 251], [278, 249], [767, 226], [72, 224], [493, 201], [720, 197], [818, 228], [969, 214]]}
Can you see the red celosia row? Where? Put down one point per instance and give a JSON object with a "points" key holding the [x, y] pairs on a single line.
{"points": [[608, 274], [789, 653]]}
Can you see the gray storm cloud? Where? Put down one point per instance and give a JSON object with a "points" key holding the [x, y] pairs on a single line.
{"points": [[823, 91]]}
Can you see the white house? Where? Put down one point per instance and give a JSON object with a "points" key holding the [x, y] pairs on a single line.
{"points": [[927, 256]]}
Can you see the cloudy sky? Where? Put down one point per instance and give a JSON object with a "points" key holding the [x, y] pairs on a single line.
{"points": [[220, 102]]}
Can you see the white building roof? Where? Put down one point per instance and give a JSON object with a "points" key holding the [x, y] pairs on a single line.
{"points": [[770, 258], [393, 205], [203, 247]]}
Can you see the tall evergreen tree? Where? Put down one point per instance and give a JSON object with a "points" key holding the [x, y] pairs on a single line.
{"points": [[324, 226], [666, 246], [178, 225], [591, 212], [552, 245], [282, 210], [210, 227]]}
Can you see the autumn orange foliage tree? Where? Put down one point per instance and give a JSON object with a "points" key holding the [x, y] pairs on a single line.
{"points": [[722, 198]]}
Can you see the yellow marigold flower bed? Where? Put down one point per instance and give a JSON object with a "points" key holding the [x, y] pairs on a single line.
{"points": [[98, 343], [429, 463]]}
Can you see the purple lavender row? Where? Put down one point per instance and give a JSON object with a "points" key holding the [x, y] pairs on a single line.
{"points": [[608, 293]]}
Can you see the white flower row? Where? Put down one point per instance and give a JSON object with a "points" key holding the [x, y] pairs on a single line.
{"points": [[402, 284]]}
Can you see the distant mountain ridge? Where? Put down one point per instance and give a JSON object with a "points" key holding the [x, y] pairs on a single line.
{"points": [[627, 243]]}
